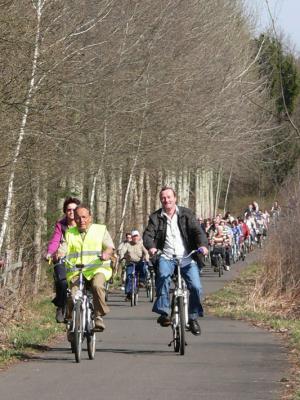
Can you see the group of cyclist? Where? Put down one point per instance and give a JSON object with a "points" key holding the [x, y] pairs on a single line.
{"points": [[232, 237], [171, 230]]}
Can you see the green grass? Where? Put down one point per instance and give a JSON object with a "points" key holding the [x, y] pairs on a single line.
{"points": [[37, 327]]}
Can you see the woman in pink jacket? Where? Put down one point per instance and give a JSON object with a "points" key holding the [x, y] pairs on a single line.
{"points": [[56, 240]]}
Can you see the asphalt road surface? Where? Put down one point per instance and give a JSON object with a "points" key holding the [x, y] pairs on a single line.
{"points": [[231, 360]]}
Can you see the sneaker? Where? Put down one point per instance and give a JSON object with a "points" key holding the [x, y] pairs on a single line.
{"points": [[60, 317], [99, 324], [164, 320], [227, 268]]}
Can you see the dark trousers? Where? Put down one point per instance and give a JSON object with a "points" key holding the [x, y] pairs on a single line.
{"points": [[59, 275], [141, 268]]}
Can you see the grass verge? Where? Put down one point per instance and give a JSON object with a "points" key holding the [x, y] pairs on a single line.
{"points": [[35, 329], [240, 300]]}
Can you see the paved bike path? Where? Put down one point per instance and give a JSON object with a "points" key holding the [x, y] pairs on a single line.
{"points": [[230, 360]]}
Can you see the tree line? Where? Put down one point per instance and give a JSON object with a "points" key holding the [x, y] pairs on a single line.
{"points": [[108, 100]]}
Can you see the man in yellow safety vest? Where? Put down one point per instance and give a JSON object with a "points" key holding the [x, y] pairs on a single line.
{"points": [[85, 243]]}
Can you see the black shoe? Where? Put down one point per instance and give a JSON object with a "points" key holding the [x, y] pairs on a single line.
{"points": [[164, 320], [194, 327], [128, 297], [60, 315]]}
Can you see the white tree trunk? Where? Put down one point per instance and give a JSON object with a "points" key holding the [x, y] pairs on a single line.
{"points": [[185, 195], [211, 195], [119, 194], [218, 189], [139, 199], [159, 184], [37, 235], [111, 204], [148, 197], [100, 167], [38, 5], [62, 184], [227, 190], [198, 194], [101, 198]]}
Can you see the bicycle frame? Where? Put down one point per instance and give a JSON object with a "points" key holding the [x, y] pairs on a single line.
{"points": [[82, 323], [82, 296], [134, 284], [180, 290], [179, 307]]}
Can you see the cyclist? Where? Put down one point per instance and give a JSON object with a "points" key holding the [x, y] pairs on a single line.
{"points": [[228, 237], [236, 238], [84, 242], [134, 252], [217, 242], [174, 230], [245, 233], [122, 262], [124, 242], [55, 242]]}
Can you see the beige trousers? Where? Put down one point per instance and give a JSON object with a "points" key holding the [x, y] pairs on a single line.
{"points": [[98, 290]]}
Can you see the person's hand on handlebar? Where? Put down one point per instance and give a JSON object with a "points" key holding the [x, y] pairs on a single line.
{"points": [[203, 250], [152, 251], [106, 255]]}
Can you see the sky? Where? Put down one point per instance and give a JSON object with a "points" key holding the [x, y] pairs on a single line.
{"points": [[286, 14]]}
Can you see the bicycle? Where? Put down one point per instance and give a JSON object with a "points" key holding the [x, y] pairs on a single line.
{"points": [[243, 250], [132, 277], [235, 249], [82, 323], [179, 307], [218, 261], [150, 284]]}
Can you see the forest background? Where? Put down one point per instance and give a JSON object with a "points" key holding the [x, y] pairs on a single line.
{"points": [[109, 100]]}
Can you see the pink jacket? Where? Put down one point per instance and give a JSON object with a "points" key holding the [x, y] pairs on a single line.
{"points": [[58, 234]]}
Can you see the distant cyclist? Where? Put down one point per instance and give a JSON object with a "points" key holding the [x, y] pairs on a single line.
{"points": [[174, 230], [136, 254]]}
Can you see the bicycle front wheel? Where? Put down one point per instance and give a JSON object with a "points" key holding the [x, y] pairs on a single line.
{"points": [[78, 331], [182, 324]]}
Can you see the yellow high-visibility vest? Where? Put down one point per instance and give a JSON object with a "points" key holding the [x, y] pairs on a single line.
{"points": [[85, 251]]}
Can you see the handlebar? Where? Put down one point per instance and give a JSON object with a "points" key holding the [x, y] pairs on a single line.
{"points": [[78, 267], [199, 251]]}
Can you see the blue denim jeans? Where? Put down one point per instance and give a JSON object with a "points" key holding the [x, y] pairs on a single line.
{"points": [[190, 274], [141, 268]]}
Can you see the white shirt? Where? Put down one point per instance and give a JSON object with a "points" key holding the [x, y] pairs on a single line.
{"points": [[174, 243]]}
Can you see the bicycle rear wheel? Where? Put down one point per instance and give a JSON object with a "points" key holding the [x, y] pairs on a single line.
{"points": [[78, 331], [175, 324], [90, 335], [91, 344], [220, 265], [182, 324], [152, 286], [132, 298]]}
